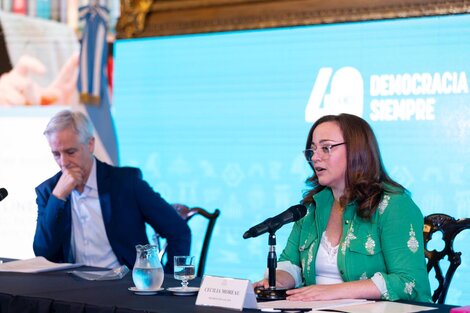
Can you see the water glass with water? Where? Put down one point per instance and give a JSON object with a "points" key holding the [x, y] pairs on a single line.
{"points": [[184, 269]]}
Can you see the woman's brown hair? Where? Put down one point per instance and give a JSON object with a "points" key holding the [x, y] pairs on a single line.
{"points": [[366, 178]]}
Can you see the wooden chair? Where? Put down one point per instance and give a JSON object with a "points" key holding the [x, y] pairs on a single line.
{"points": [[450, 228], [187, 213]]}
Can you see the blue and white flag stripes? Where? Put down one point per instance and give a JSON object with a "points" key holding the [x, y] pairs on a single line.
{"points": [[92, 79]]}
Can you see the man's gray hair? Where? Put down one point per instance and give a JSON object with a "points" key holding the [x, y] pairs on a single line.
{"points": [[75, 120]]}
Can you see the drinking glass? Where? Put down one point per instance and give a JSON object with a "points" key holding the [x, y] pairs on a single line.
{"points": [[184, 269]]}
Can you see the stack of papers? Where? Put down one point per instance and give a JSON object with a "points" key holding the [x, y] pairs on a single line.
{"points": [[35, 265], [314, 305], [385, 307], [343, 305]]}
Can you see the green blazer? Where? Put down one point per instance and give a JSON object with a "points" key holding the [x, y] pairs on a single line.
{"points": [[390, 244]]}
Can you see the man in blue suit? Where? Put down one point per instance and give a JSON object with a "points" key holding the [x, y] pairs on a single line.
{"points": [[94, 213]]}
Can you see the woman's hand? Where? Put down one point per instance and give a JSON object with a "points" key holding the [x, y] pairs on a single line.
{"points": [[314, 292], [63, 88], [18, 87], [360, 289], [283, 280]]}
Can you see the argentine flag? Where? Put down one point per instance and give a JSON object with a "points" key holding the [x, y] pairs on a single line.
{"points": [[92, 78]]}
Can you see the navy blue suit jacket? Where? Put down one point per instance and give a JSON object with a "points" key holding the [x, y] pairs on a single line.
{"points": [[127, 203]]}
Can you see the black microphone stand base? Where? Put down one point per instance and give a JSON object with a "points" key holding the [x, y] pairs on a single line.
{"points": [[269, 294]]}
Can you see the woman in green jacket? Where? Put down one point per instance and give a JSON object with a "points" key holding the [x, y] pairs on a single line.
{"points": [[363, 235]]}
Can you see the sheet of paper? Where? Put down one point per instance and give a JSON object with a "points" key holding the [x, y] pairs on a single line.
{"points": [[35, 265], [286, 304], [385, 307]]}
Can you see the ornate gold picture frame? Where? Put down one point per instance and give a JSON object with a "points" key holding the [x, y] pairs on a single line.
{"points": [[149, 18]]}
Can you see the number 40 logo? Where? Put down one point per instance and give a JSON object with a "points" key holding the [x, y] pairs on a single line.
{"points": [[341, 92]]}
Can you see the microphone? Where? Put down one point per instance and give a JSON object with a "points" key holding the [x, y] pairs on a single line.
{"points": [[3, 193], [292, 214]]}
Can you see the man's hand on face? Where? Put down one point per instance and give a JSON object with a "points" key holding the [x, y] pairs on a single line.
{"points": [[72, 178]]}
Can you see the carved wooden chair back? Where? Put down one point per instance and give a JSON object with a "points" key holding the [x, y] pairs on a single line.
{"points": [[450, 228]]}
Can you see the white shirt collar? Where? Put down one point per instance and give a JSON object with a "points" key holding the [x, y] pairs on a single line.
{"points": [[91, 182]]}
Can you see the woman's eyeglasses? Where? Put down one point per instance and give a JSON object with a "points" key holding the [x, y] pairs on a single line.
{"points": [[324, 153]]}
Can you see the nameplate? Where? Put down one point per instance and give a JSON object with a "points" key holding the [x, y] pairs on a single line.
{"points": [[228, 293]]}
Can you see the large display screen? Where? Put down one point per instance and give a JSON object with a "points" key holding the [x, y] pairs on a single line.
{"points": [[219, 120]]}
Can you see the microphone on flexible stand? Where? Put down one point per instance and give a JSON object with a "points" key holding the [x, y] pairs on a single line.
{"points": [[292, 214], [3, 193]]}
